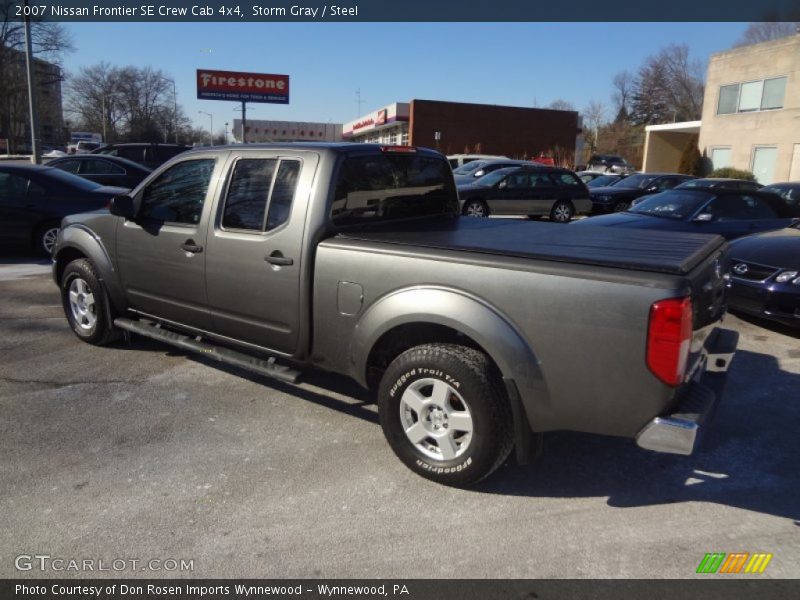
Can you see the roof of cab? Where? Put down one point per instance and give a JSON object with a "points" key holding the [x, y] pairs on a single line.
{"points": [[342, 147]]}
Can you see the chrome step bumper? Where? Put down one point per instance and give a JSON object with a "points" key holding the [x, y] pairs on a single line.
{"points": [[680, 431]]}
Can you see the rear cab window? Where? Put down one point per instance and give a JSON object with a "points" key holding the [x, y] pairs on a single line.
{"points": [[260, 194], [392, 186]]}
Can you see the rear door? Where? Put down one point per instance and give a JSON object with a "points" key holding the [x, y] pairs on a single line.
{"points": [[161, 255], [255, 249], [543, 194], [512, 196]]}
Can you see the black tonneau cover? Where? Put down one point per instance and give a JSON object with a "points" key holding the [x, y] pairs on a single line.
{"points": [[643, 250]]}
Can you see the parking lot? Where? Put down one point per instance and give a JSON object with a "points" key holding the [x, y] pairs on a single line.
{"points": [[138, 451]]}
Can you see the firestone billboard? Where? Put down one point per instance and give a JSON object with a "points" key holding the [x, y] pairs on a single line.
{"points": [[242, 87]]}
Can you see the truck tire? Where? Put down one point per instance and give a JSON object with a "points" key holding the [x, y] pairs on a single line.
{"points": [[475, 208], [86, 304], [444, 412]]}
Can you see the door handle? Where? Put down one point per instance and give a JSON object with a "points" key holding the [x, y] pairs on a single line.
{"points": [[191, 247], [278, 259]]}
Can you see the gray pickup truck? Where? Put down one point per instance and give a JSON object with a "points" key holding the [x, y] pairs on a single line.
{"points": [[477, 335]]}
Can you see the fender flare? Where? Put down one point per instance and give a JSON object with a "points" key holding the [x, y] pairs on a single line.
{"points": [[468, 315], [84, 240]]}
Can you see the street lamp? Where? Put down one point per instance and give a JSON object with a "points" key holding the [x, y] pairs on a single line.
{"points": [[210, 126]]}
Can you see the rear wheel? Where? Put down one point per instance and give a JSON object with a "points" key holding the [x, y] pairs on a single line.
{"points": [[476, 208], [86, 303], [562, 211], [445, 413], [44, 240]]}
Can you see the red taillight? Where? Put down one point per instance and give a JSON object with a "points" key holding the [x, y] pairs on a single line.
{"points": [[398, 149], [669, 337]]}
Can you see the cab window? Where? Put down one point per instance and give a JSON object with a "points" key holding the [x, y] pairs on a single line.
{"points": [[178, 194]]}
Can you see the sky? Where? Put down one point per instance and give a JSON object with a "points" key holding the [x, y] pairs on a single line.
{"points": [[517, 64]]}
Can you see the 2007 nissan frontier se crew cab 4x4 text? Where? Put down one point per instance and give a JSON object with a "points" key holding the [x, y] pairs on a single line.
{"points": [[477, 335]]}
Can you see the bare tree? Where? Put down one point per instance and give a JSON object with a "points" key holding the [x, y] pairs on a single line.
{"points": [[126, 103], [594, 116], [561, 104], [766, 31], [668, 87], [623, 90]]}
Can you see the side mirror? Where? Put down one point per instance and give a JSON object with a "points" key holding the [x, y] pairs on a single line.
{"points": [[703, 218], [652, 188], [122, 206], [502, 185], [479, 173]]}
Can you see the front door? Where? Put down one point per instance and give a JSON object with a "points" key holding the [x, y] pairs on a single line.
{"points": [[161, 254], [255, 249]]}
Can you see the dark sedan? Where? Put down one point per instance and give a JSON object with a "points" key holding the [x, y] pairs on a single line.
{"points": [[479, 168], [765, 275], [618, 197], [105, 170], [34, 199], [722, 183], [728, 213]]}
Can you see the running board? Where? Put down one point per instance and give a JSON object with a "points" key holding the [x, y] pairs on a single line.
{"points": [[266, 367]]}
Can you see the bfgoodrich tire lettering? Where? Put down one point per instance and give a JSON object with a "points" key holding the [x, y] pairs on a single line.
{"points": [[445, 414], [86, 303]]}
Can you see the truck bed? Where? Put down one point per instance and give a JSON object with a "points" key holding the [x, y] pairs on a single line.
{"points": [[642, 250]]}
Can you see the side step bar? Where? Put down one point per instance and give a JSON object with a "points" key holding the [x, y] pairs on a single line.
{"points": [[266, 367]]}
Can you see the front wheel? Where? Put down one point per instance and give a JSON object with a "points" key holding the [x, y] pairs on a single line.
{"points": [[445, 413], [86, 303], [562, 212], [476, 208]]}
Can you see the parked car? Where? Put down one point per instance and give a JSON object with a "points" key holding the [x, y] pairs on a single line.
{"points": [[459, 160], [465, 174], [728, 213], [34, 199], [149, 155], [789, 191], [84, 146], [765, 275], [609, 163], [103, 169], [618, 197], [594, 179], [52, 151], [721, 183], [532, 191], [353, 258]]}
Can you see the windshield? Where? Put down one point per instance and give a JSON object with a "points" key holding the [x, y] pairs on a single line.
{"points": [[469, 167], [673, 204], [386, 187], [636, 181], [603, 181], [78, 183], [788, 193]]}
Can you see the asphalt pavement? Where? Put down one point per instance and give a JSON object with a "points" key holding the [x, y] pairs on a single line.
{"points": [[140, 452]]}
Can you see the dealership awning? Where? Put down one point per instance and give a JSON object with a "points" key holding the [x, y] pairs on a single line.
{"points": [[664, 145]]}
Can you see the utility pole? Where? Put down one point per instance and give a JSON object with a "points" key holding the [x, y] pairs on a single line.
{"points": [[211, 125], [36, 158], [244, 122], [359, 101]]}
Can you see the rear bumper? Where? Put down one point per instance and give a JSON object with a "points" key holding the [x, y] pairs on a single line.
{"points": [[679, 432]]}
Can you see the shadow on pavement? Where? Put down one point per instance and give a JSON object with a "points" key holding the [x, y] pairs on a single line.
{"points": [[773, 326]]}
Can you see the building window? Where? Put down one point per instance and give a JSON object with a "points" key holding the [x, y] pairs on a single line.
{"points": [[752, 96], [720, 157]]}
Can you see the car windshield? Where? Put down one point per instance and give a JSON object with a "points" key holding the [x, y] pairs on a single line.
{"points": [[60, 177], [788, 193], [470, 167], [603, 181], [492, 178], [636, 181], [673, 204]]}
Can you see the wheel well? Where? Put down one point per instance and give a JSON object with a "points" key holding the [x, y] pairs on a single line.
{"points": [[64, 257], [396, 341]]}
